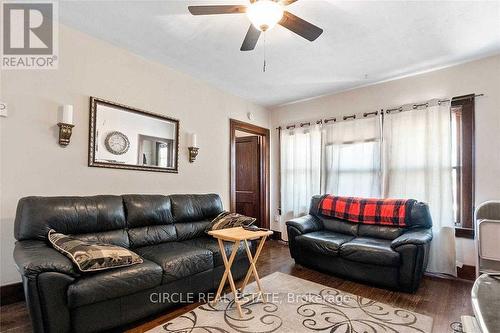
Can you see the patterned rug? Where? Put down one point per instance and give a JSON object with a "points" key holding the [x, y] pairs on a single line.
{"points": [[296, 305]]}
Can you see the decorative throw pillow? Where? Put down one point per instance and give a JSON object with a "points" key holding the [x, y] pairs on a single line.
{"points": [[92, 256], [229, 220]]}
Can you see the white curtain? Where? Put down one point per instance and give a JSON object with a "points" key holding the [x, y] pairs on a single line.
{"points": [[417, 154], [352, 163], [300, 171]]}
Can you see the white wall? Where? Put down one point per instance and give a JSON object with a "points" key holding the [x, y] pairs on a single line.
{"points": [[481, 76], [32, 162]]}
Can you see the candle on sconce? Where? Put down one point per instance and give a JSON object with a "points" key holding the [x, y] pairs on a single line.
{"points": [[194, 140], [66, 125], [67, 114], [193, 148]]}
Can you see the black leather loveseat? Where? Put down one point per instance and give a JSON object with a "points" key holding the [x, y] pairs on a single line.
{"points": [[167, 231], [385, 256]]}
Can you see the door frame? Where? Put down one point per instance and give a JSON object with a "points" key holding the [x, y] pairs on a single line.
{"points": [[264, 172]]}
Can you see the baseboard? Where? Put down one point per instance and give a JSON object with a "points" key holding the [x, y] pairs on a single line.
{"points": [[466, 272], [276, 235], [11, 293]]}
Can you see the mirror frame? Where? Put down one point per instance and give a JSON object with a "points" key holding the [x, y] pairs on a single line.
{"points": [[92, 135]]}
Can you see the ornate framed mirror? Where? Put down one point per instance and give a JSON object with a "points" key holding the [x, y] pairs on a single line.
{"points": [[123, 137]]}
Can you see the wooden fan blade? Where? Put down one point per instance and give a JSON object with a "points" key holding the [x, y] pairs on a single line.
{"points": [[301, 27], [287, 2], [217, 9], [251, 39]]}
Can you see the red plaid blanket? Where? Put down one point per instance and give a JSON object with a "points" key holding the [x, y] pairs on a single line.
{"points": [[394, 212]]}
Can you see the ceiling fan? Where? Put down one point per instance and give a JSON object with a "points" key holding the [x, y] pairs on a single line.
{"points": [[263, 15]]}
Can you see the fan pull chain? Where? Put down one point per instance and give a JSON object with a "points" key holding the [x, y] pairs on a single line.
{"points": [[264, 67]]}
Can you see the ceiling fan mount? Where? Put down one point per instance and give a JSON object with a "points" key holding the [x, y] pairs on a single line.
{"points": [[263, 15]]}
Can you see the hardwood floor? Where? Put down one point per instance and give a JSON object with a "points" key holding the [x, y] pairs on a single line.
{"points": [[443, 299]]}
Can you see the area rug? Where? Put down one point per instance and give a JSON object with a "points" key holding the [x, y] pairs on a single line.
{"points": [[296, 305]]}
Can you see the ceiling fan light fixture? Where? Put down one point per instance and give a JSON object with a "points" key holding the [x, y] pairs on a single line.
{"points": [[265, 14]]}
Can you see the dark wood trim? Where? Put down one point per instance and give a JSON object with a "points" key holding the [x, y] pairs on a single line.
{"points": [[466, 272], [236, 125], [279, 175], [11, 293], [276, 235], [467, 164], [447, 277], [464, 233]]}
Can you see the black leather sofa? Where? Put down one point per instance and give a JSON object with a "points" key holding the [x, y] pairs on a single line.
{"points": [[167, 231], [385, 256]]}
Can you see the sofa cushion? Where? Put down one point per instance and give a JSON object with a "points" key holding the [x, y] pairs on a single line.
{"points": [[144, 210], [68, 215], [324, 241], [421, 215], [149, 219], [177, 259], [151, 235], [211, 244], [371, 251], [340, 226], [195, 207], [191, 230], [106, 285], [380, 231]]}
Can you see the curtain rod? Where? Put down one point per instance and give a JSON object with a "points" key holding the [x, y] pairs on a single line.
{"points": [[329, 120], [374, 113], [415, 106]]}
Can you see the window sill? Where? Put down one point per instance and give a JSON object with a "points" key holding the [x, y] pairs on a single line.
{"points": [[464, 233]]}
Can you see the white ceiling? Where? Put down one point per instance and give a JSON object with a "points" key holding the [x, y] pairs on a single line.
{"points": [[363, 42]]}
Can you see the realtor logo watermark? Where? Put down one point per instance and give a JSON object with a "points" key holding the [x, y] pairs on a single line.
{"points": [[30, 35]]}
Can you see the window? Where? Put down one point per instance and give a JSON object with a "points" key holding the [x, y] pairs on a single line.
{"points": [[352, 164], [462, 117], [404, 154], [349, 175]]}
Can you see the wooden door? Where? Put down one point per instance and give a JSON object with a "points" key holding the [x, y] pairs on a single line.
{"points": [[248, 177]]}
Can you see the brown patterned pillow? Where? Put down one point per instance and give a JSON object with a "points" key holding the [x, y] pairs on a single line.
{"points": [[229, 220], [92, 256]]}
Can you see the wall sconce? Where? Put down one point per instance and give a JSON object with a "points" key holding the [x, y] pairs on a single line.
{"points": [[193, 148], [66, 125]]}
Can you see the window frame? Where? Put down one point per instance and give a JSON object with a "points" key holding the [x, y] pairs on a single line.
{"points": [[466, 167]]}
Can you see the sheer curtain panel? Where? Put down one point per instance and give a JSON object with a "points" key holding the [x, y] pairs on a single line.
{"points": [[417, 154], [300, 171]]}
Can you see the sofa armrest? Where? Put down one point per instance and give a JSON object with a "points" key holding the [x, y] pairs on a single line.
{"points": [[418, 236], [305, 224], [34, 257]]}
